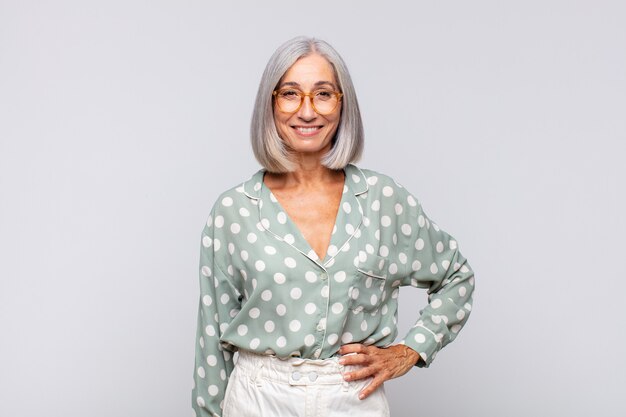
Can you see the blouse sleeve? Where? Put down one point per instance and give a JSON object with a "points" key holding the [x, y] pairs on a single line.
{"points": [[435, 263], [219, 301]]}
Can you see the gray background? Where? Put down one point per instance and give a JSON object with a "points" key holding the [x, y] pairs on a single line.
{"points": [[121, 121]]}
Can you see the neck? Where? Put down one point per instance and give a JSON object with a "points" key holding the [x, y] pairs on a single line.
{"points": [[309, 172]]}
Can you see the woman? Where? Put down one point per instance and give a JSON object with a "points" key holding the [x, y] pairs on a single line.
{"points": [[301, 265]]}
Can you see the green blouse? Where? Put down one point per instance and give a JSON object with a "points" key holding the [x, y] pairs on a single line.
{"points": [[263, 289]]}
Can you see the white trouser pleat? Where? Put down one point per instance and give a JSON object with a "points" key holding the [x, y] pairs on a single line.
{"points": [[266, 386]]}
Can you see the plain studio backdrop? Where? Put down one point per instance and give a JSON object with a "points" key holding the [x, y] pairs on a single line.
{"points": [[122, 121]]}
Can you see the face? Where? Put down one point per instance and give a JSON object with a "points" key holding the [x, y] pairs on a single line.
{"points": [[306, 131]]}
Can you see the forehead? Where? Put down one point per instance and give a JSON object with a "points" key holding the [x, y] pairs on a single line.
{"points": [[310, 70]]}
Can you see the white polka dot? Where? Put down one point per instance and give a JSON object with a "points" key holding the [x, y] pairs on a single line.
{"points": [[385, 221], [452, 244], [332, 338], [259, 265], [295, 293], [244, 255], [383, 251], [420, 338], [254, 343], [244, 212], [211, 360], [402, 257], [310, 308], [433, 268], [269, 326], [201, 373], [445, 264], [387, 191], [207, 300], [231, 249], [406, 229], [332, 250], [462, 291], [373, 299], [349, 229], [254, 312], [324, 291], [242, 330], [270, 250], [355, 293], [207, 242], [421, 221], [309, 340], [219, 221], [294, 325], [411, 201], [279, 278], [209, 330], [436, 319], [346, 207], [235, 228], [439, 247], [251, 237], [200, 402], [393, 269], [419, 244], [266, 295], [386, 331], [372, 180], [346, 337], [281, 217], [265, 223], [227, 202], [213, 390], [281, 309], [464, 269], [289, 238], [206, 271], [281, 341], [224, 298], [337, 308], [340, 276], [310, 276], [376, 205], [460, 314], [363, 325], [290, 262]]}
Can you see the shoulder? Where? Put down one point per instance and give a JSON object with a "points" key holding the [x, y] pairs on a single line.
{"points": [[380, 185], [239, 198]]}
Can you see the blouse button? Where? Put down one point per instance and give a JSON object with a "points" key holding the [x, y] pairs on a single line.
{"points": [[324, 276]]}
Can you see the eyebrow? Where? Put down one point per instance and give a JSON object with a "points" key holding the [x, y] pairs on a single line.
{"points": [[317, 84]]}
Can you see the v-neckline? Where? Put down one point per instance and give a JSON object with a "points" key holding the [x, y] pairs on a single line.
{"points": [[294, 229]]}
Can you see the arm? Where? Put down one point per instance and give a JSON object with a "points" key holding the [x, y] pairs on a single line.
{"points": [[218, 297], [436, 264]]}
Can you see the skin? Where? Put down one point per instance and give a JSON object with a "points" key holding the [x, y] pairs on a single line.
{"points": [[311, 194]]}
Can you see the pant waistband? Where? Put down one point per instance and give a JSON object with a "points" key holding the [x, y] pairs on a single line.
{"points": [[293, 371]]}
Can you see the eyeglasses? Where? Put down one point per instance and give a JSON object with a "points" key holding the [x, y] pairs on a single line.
{"points": [[289, 100]]}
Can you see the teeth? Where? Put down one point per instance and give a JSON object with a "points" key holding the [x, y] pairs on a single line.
{"points": [[307, 129]]}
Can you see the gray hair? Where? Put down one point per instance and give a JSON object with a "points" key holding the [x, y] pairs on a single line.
{"points": [[268, 147]]}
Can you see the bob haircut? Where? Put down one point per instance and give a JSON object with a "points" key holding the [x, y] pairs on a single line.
{"points": [[269, 149]]}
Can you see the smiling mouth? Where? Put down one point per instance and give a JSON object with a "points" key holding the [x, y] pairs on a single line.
{"points": [[307, 130]]}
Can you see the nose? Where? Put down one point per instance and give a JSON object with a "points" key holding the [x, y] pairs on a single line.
{"points": [[306, 111]]}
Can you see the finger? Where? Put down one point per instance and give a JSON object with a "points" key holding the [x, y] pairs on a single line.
{"points": [[371, 387], [355, 359], [352, 348], [360, 373]]}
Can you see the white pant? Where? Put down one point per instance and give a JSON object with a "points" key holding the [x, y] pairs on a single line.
{"points": [[265, 386]]}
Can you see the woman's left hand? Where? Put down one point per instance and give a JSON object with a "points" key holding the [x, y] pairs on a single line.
{"points": [[382, 364]]}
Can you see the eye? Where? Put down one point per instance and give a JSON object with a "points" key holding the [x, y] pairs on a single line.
{"points": [[324, 94], [289, 94]]}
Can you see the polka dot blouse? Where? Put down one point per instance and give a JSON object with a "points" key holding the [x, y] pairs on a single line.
{"points": [[263, 288]]}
